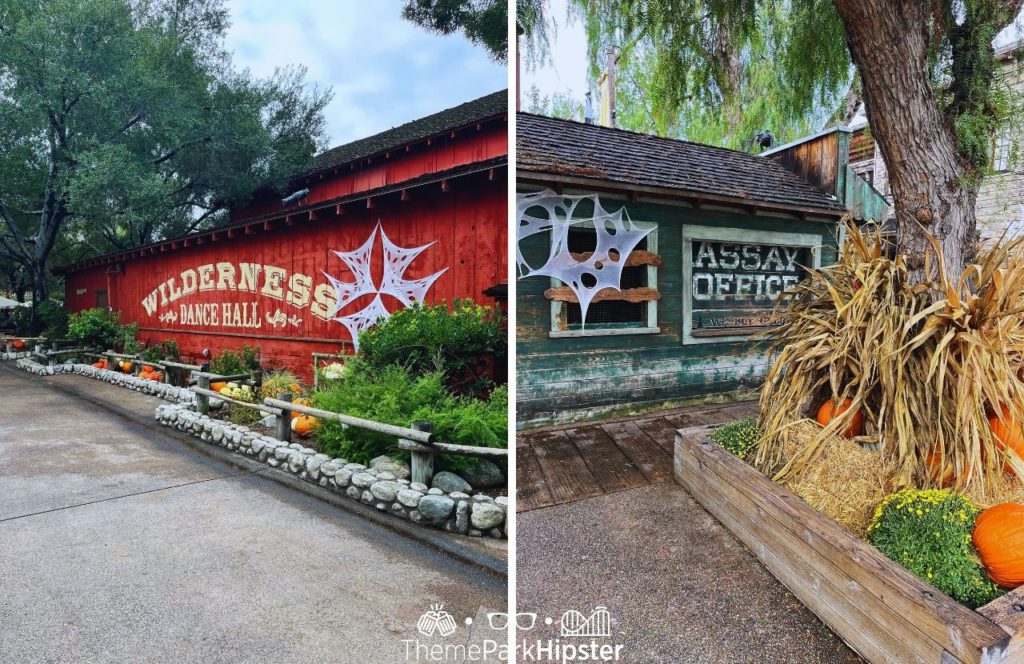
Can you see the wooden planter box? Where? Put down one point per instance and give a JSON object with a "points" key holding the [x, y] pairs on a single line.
{"points": [[881, 610]]}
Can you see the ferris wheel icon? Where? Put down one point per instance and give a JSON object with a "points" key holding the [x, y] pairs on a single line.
{"points": [[598, 623]]}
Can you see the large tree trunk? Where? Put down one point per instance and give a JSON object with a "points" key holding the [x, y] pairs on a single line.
{"points": [[40, 292], [889, 44]]}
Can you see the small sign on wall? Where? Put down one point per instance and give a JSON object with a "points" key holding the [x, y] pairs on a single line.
{"points": [[732, 278]]}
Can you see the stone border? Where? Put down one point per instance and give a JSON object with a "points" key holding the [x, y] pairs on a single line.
{"points": [[162, 390], [15, 355], [456, 512]]}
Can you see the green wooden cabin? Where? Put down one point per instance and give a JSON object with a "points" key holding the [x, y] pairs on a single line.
{"points": [[726, 232]]}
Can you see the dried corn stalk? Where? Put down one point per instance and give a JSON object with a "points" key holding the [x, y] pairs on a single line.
{"points": [[926, 363]]}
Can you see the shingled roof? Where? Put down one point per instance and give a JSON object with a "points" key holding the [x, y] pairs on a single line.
{"points": [[568, 148], [468, 113]]}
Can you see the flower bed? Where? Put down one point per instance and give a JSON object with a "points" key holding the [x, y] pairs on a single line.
{"points": [[882, 610]]}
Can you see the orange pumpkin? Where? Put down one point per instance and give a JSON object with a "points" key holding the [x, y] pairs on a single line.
{"points": [[147, 368], [303, 424], [218, 386], [301, 402], [19, 344], [1007, 433], [937, 470], [999, 539], [158, 376], [829, 412]]}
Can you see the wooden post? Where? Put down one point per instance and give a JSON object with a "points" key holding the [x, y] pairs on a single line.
{"points": [[203, 401], [284, 420], [422, 462]]}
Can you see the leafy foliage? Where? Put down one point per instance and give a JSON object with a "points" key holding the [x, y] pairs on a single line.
{"points": [[925, 363], [396, 396], [96, 328], [124, 122], [243, 415], [929, 533], [484, 22], [719, 72], [738, 437], [432, 338], [233, 362], [164, 350], [276, 382]]}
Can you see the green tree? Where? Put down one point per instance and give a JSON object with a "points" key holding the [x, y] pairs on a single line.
{"points": [[123, 122], [558, 105], [483, 22], [927, 69]]}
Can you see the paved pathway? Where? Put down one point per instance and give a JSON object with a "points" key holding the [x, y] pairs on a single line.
{"points": [[121, 544], [679, 588], [561, 464]]}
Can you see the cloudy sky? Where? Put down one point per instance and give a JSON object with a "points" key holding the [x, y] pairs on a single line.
{"points": [[384, 70], [566, 71]]}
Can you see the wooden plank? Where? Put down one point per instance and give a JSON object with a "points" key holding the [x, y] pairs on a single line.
{"points": [[1008, 612], [613, 469], [859, 625], [634, 295], [531, 487], [663, 429], [567, 474], [636, 257], [642, 450], [968, 635]]}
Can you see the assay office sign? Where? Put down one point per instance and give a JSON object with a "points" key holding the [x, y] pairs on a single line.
{"points": [[734, 286]]}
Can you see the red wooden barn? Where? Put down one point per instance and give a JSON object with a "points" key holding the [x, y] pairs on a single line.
{"points": [[274, 277]]}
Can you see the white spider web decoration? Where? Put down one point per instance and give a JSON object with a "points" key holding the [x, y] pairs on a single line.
{"points": [[617, 237], [393, 282]]}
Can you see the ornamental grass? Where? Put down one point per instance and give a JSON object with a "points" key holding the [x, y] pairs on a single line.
{"points": [[926, 364]]}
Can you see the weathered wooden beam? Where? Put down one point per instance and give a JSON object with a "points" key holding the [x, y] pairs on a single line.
{"points": [[634, 295], [422, 466], [358, 422], [879, 608], [635, 258], [1008, 612]]}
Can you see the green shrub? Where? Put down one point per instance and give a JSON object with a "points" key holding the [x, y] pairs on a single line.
{"points": [[165, 350], [243, 415], [233, 362], [395, 396], [128, 339], [431, 338], [276, 382], [929, 532], [738, 437], [95, 328]]}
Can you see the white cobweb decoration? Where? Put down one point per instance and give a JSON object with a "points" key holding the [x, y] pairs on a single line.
{"points": [[617, 237], [393, 282]]}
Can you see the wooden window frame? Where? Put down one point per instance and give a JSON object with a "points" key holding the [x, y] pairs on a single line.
{"points": [[811, 241], [559, 310]]}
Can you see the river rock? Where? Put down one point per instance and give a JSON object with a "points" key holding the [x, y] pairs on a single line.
{"points": [[486, 515], [436, 509], [449, 482]]}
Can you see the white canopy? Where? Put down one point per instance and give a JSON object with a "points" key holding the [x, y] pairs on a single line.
{"points": [[7, 303]]}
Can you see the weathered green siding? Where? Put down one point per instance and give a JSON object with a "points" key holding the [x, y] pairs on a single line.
{"points": [[562, 379]]}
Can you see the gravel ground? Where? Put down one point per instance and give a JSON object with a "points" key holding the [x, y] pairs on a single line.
{"points": [[120, 544], [679, 588]]}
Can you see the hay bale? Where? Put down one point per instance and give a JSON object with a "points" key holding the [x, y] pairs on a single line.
{"points": [[845, 482]]}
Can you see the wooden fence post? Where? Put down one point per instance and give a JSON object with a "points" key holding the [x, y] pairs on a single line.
{"points": [[422, 462], [284, 420]]}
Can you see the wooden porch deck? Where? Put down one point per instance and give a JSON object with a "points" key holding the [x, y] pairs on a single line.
{"points": [[565, 463]]}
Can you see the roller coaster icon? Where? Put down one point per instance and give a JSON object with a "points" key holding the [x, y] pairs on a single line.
{"points": [[598, 624]]}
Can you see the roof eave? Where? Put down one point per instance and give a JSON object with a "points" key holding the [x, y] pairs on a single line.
{"points": [[695, 197]]}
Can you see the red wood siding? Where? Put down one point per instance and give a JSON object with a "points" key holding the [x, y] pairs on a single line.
{"points": [[471, 145], [467, 224]]}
